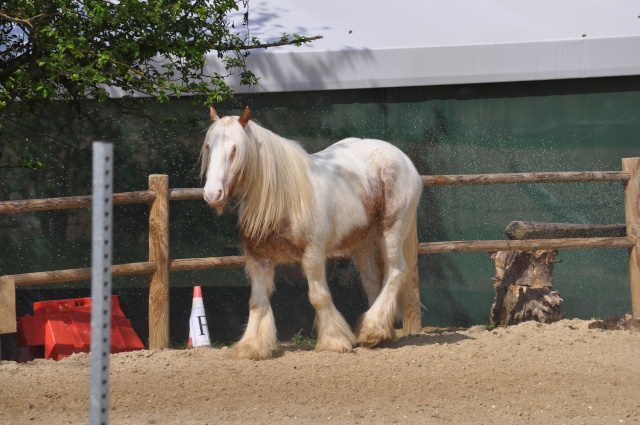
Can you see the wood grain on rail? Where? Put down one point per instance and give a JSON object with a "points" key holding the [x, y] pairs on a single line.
{"points": [[187, 264], [524, 245], [69, 202], [536, 230], [69, 275], [522, 178], [188, 194]]}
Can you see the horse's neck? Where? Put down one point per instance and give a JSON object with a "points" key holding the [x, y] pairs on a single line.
{"points": [[278, 149]]}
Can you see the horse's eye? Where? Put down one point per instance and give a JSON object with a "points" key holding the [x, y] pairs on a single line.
{"points": [[233, 154]]}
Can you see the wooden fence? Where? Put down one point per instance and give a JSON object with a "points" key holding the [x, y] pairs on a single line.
{"points": [[160, 265]]}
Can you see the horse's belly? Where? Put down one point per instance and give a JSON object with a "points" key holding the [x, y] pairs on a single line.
{"points": [[278, 249], [357, 237], [351, 208]]}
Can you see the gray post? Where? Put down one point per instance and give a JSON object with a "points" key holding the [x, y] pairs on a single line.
{"points": [[102, 220]]}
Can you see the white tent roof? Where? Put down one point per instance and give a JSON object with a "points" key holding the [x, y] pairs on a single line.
{"points": [[380, 43]]}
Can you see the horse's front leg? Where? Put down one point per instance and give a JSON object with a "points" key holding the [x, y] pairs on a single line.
{"points": [[260, 338], [334, 333]]}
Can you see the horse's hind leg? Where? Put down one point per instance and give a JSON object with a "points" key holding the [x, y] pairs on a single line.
{"points": [[260, 338], [376, 325], [400, 185], [409, 296], [334, 333], [370, 266]]}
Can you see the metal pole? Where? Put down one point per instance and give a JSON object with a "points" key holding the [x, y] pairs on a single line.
{"points": [[102, 220]]}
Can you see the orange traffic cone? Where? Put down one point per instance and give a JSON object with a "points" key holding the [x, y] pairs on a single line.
{"points": [[198, 329]]}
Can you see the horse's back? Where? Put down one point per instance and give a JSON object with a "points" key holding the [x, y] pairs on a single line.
{"points": [[367, 150], [365, 146], [375, 157], [359, 181]]}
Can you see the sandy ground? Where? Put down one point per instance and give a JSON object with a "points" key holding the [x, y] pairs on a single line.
{"points": [[563, 373]]}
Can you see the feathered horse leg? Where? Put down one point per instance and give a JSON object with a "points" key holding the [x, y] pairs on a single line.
{"points": [[398, 246], [334, 333], [376, 326], [370, 265], [260, 338], [409, 296]]}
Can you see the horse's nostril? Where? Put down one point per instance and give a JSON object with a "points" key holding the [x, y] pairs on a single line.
{"points": [[214, 197]]}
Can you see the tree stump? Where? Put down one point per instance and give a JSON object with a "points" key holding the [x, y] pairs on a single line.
{"points": [[524, 288]]}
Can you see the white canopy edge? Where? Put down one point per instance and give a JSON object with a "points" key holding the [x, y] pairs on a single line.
{"points": [[442, 65]]}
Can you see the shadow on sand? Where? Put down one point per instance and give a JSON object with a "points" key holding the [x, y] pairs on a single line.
{"points": [[429, 336]]}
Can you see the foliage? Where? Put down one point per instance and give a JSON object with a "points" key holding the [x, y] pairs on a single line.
{"points": [[303, 341], [73, 50], [24, 161]]}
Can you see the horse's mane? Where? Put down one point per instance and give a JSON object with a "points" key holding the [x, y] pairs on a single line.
{"points": [[280, 190], [272, 174]]}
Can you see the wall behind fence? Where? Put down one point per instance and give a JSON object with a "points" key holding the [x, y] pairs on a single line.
{"points": [[552, 126]]}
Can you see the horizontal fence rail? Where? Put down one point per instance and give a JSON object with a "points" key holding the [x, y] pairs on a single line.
{"points": [[523, 245], [129, 269], [191, 194], [525, 178], [536, 230], [190, 264], [69, 275], [71, 202]]}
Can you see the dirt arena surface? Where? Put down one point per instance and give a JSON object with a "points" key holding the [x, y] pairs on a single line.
{"points": [[563, 373]]}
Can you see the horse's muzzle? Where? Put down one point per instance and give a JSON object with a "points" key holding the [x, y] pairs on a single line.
{"points": [[217, 199]]}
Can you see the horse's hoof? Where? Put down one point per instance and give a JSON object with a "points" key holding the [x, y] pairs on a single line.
{"points": [[411, 322], [372, 336], [337, 346], [242, 351]]}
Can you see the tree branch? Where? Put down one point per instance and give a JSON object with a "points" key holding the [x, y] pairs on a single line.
{"points": [[295, 41], [27, 22]]}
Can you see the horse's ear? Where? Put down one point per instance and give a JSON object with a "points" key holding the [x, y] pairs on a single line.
{"points": [[245, 117], [213, 114]]}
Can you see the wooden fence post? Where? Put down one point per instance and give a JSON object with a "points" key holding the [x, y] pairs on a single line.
{"points": [[159, 254], [7, 305], [632, 214]]}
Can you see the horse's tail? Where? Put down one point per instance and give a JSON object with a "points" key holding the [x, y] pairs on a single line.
{"points": [[409, 296]]}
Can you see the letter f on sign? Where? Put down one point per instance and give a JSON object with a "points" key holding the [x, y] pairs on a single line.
{"points": [[202, 323]]}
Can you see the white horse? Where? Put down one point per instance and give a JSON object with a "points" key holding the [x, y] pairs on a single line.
{"points": [[357, 198]]}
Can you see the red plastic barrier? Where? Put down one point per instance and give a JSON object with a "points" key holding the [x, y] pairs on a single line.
{"points": [[63, 327]]}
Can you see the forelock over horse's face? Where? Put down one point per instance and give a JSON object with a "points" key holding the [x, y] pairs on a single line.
{"points": [[218, 155]]}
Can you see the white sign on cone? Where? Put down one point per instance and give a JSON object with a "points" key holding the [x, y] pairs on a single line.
{"points": [[198, 329]]}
